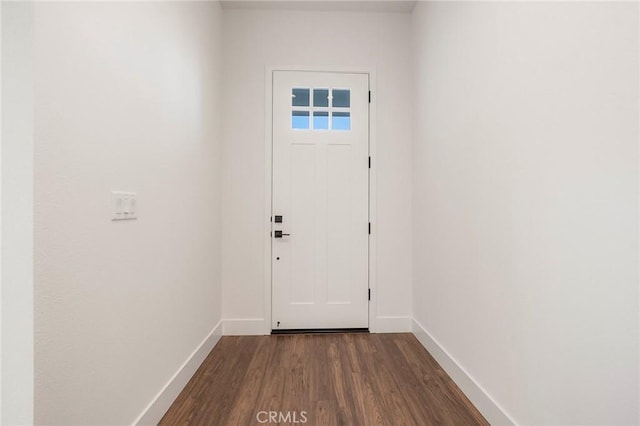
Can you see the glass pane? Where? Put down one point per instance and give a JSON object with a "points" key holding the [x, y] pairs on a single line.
{"points": [[341, 98], [320, 97], [341, 120], [300, 97], [320, 120], [300, 119]]}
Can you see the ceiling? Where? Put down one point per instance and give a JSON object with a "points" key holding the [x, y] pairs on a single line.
{"points": [[398, 6]]}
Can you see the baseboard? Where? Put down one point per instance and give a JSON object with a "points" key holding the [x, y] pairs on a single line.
{"points": [[392, 325], [244, 327], [161, 403], [489, 408]]}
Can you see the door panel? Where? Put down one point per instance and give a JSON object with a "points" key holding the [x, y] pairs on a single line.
{"points": [[338, 215], [320, 188]]}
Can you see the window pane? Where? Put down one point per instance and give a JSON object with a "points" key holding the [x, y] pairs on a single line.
{"points": [[341, 98], [320, 120], [300, 97], [320, 97], [341, 120], [300, 120]]}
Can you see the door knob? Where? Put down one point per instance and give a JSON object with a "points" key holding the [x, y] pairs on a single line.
{"points": [[279, 234]]}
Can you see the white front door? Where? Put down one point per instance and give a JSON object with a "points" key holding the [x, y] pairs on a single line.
{"points": [[320, 222]]}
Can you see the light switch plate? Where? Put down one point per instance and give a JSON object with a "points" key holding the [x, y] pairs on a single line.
{"points": [[123, 205]]}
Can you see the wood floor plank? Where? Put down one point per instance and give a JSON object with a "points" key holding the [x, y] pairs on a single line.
{"points": [[334, 379], [242, 411]]}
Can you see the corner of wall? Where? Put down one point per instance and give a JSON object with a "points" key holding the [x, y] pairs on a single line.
{"points": [[478, 396], [157, 408]]}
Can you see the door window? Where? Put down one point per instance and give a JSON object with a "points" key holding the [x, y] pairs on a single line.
{"points": [[320, 109]]}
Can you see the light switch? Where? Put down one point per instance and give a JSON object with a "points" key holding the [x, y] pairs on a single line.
{"points": [[123, 205]]}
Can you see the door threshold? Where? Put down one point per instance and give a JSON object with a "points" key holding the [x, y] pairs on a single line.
{"points": [[320, 330]]}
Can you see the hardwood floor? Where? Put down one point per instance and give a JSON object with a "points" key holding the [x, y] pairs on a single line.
{"points": [[325, 379]]}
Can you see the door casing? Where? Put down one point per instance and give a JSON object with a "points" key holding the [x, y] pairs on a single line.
{"points": [[268, 177]]}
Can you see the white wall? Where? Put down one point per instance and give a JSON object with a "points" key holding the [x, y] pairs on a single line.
{"points": [[256, 39], [126, 99], [1, 26], [17, 214], [526, 202]]}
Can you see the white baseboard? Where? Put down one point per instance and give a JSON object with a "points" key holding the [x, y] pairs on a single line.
{"points": [[163, 400], [392, 325], [244, 327], [489, 408]]}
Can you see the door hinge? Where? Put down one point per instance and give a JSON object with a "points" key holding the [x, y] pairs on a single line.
{"points": [[369, 294], [369, 228], [369, 96], [369, 162]]}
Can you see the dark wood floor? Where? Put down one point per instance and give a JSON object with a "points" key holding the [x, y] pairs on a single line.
{"points": [[335, 379]]}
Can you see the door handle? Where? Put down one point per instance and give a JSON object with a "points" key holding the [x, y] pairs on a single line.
{"points": [[279, 234]]}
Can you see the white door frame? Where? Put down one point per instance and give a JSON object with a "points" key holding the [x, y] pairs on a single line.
{"points": [[268, 176]]}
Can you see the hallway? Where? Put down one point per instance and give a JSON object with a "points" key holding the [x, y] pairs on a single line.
{"points": [[180, 178], [330, 379]]}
